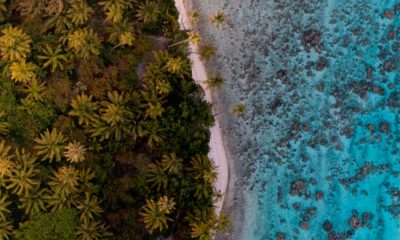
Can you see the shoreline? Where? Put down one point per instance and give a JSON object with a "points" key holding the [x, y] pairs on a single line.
{"points": [[217, 151]]}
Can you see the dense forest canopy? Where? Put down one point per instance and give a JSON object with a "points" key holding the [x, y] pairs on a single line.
{"points": [[103, 132]]}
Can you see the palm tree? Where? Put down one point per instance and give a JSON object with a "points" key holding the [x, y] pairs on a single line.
{"points": [[6, 164], [14, 44], [154, 134], [89, 207], [115, 118], [176, 66], [54, 200], [217, 19], [79, 12], [154, 214], [148, 12], [6, 230], [114, 12], [116, 30], [157, 177], [3, 9], [115, 111], [75, 152], [85, 43], [23, 175], [65, 181], [126, 38], [238, 110], [171, 164], [34, 90], [22, 71], [201, 166], [33, 203], [193, 37], [91, 230], [214, 81], [4, 203], [206, 51], [53, 58], [5, 167], [3, 124], [85, 109], [5, 150], [50, 145]]}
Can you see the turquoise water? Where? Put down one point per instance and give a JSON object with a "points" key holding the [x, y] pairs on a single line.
{"points": [[317, 154]]}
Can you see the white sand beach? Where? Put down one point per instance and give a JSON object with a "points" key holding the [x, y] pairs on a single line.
{"points": [[217, 151]]}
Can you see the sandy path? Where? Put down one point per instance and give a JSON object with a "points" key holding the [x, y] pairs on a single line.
{"points": [[217, 151]]}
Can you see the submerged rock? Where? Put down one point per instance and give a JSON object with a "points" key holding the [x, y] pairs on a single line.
{"points": [[298, 187], [311, 39]]}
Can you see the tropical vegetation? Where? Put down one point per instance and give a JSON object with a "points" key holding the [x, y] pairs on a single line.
{"points": [[103, 132]]}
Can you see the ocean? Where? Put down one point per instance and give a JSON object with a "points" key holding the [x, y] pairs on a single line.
{"points": [[316, 155]]}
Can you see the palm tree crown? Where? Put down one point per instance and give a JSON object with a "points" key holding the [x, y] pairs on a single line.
{"points": [[75, 152], [23, 71], [84, 108], [53, 58], [85, 43], [14, 44], [50, 145]]}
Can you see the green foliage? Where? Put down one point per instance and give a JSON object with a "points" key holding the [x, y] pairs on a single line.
{"points": [[51, 145], [58, 225], [14, 44]]}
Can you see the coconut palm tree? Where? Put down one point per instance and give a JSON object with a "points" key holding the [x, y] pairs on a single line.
{"points": [[6, 230], [65, 181], [6, 164], [200, 165], [214, 81], [75, 152], [148, 12], [155, 214], [114, 110], [14, 44], [116, 30], [171, 164], [157, 177], [50, 145], [3, 124], [85, 109], [114, 12], [54, 58], [79, 12], [23, 71], [23, 175], [176, 66], [34, 90], [92, 230], [126, 38], [4, 203], [238, 110], [193, 38], [154, 134], [3, 9], [217, 19], [84, 42], [5, 150], [55, 201], [5, 167], [206, 51], [89, 207], [33, 203], [115, 117]]}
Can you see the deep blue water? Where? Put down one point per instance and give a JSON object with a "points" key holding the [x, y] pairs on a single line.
{"points": [[317, 154]]}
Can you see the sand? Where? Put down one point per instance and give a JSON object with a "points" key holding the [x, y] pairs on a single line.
{"points": [[199, 73]]}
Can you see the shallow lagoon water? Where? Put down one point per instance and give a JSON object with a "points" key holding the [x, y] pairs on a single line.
{"points": [[317, 154]]}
